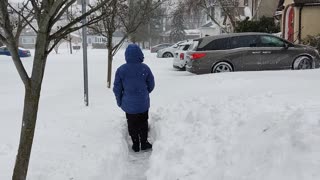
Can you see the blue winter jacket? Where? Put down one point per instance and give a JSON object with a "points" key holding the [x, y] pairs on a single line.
{"points": [[133, 82]]}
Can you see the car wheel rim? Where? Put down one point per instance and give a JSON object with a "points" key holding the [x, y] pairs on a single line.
{"points": [[304, 64], [167, 55], [222, 68]]}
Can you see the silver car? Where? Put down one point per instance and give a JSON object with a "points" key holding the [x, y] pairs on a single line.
{"points": [[248, 52], [169, 51], [179, 60], [156, 48]]}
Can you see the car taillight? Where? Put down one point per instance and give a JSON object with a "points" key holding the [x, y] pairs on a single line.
{"points": [[181, 56], [195, 56]]}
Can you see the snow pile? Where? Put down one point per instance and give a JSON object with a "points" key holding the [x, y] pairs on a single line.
{"points": [[201, 140]]}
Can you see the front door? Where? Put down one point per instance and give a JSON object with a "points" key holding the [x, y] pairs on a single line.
{"points": [[274, 53], [247, 52]]}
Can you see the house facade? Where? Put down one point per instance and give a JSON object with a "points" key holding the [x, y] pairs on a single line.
{"points": [[28, 39], [299, 18], [222, 24], [189, 34], [98, 41], [252, 9]]}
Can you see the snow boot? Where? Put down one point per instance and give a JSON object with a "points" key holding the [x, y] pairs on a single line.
{"points": [[144, 137], [136, 143], [146, 145]]}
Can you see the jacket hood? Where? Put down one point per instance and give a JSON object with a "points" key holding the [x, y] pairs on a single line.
{"points": [[134, 54]]}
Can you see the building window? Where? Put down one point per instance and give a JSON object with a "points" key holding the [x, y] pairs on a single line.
{"points": [[28, 40], [100, 40], [245, 3]]}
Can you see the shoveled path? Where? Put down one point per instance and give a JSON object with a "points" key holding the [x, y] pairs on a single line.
{"points": [[138, 163]]}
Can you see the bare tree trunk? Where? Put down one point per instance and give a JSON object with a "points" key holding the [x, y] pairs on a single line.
{"points": [[31, 102], [110, 58], [30, 111], [70, 43]]}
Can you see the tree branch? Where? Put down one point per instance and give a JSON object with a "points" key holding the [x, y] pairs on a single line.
{"points": [[62, 11], [117, 47], [77, 20], [28, 21], [11, 43], [62, 33], [37, 11]]}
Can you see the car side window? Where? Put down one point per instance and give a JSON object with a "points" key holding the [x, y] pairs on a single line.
{"points": [[218, 44], [243, 41], [269, 41]]}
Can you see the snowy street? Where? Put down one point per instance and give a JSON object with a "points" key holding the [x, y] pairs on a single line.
{"points": [[230, 126]]}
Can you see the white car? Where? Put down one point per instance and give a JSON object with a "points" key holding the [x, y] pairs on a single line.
{"points": [[179, 61], [169, 51]]}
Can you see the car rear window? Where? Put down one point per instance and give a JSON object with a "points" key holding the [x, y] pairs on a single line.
{"points": [[244, 41], [217, 44]]}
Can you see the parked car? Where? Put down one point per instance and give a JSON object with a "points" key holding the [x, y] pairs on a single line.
{"points": [[179, 61], [248, 52], [22, 52], [156, 48], [169, 51]]}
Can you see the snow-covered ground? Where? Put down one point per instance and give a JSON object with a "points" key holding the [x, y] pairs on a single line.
{"points": [[232, 126]]}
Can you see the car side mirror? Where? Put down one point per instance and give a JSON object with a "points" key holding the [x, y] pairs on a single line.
{"points": [[286, 46]]}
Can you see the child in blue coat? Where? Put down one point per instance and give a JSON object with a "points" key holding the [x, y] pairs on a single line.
{"points": [[132, 85]]}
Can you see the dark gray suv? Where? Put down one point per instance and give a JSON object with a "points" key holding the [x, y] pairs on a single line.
{"points": [[248, 52]]}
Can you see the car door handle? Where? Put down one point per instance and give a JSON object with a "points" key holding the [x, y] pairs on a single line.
{"points": [[266, 52], [256, 52]]}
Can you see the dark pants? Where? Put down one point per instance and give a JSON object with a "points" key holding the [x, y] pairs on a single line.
{"points": [[138, 127]]}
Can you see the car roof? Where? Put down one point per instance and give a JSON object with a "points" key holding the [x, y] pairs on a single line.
{"points": [[231, 35], [208, 39]]}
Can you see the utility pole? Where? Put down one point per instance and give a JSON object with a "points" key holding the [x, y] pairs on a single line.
{"points": [[85, 54]]}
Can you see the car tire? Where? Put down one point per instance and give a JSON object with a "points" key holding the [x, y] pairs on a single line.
{"points": [[222, 67], [302, 62], [167, 55]]}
